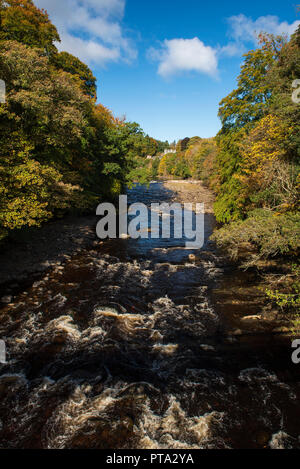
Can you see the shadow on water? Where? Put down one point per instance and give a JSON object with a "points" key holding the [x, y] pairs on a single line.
{"points": [[136, 345]]}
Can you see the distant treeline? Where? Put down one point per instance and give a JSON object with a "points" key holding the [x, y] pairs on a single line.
{"points": [[194, 158], [60, 151]]}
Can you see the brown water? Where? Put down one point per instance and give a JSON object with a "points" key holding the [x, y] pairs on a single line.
{"points": [[134, 345]]}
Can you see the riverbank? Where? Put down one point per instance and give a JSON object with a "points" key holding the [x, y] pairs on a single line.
{"points": [[190, 191], [43, 249]]}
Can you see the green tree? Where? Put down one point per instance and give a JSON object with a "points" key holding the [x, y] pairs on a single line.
{"points": [[73, 65], [43, 126], [22, 21], [250, 100], [281, 78]]}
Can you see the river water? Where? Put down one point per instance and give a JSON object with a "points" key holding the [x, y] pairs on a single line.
{"points": [[142, 344]]}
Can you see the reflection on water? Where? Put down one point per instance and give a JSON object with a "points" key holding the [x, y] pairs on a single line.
{"points": [[129, 346]]}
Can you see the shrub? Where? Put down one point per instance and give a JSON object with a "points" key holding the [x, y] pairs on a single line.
{"points": [[269, 233]]}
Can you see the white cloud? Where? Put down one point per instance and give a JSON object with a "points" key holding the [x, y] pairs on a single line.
{"points": [[232, 49], [244, 29], [109, 7], [184, 55], [91, 29], [91, 50]]}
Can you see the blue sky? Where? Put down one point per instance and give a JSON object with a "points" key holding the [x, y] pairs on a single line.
{"points": [[166, 64]]}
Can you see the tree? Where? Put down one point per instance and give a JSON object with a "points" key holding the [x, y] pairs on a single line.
{"points": [[22, 21], [239, 112], [73, 65], [249, 101], [60, 151], [43, 126], [200, 157], [268, 179], [281, 78], [52, 112]]}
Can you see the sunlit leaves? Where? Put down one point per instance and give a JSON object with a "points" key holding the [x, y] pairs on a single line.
{"points": [[22, 21]]}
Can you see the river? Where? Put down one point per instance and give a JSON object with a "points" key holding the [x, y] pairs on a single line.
{"points": [[145, 344]]}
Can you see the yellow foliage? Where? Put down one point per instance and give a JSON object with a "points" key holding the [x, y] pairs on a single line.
{"points": [[263, 145], [264, 166]]}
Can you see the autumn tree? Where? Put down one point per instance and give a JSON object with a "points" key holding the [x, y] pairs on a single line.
{"points": [[22, 21], [268, 179], [43, 127], [200, 157], [79, 70], [60, 151], [258, 158], [239, 112]]}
